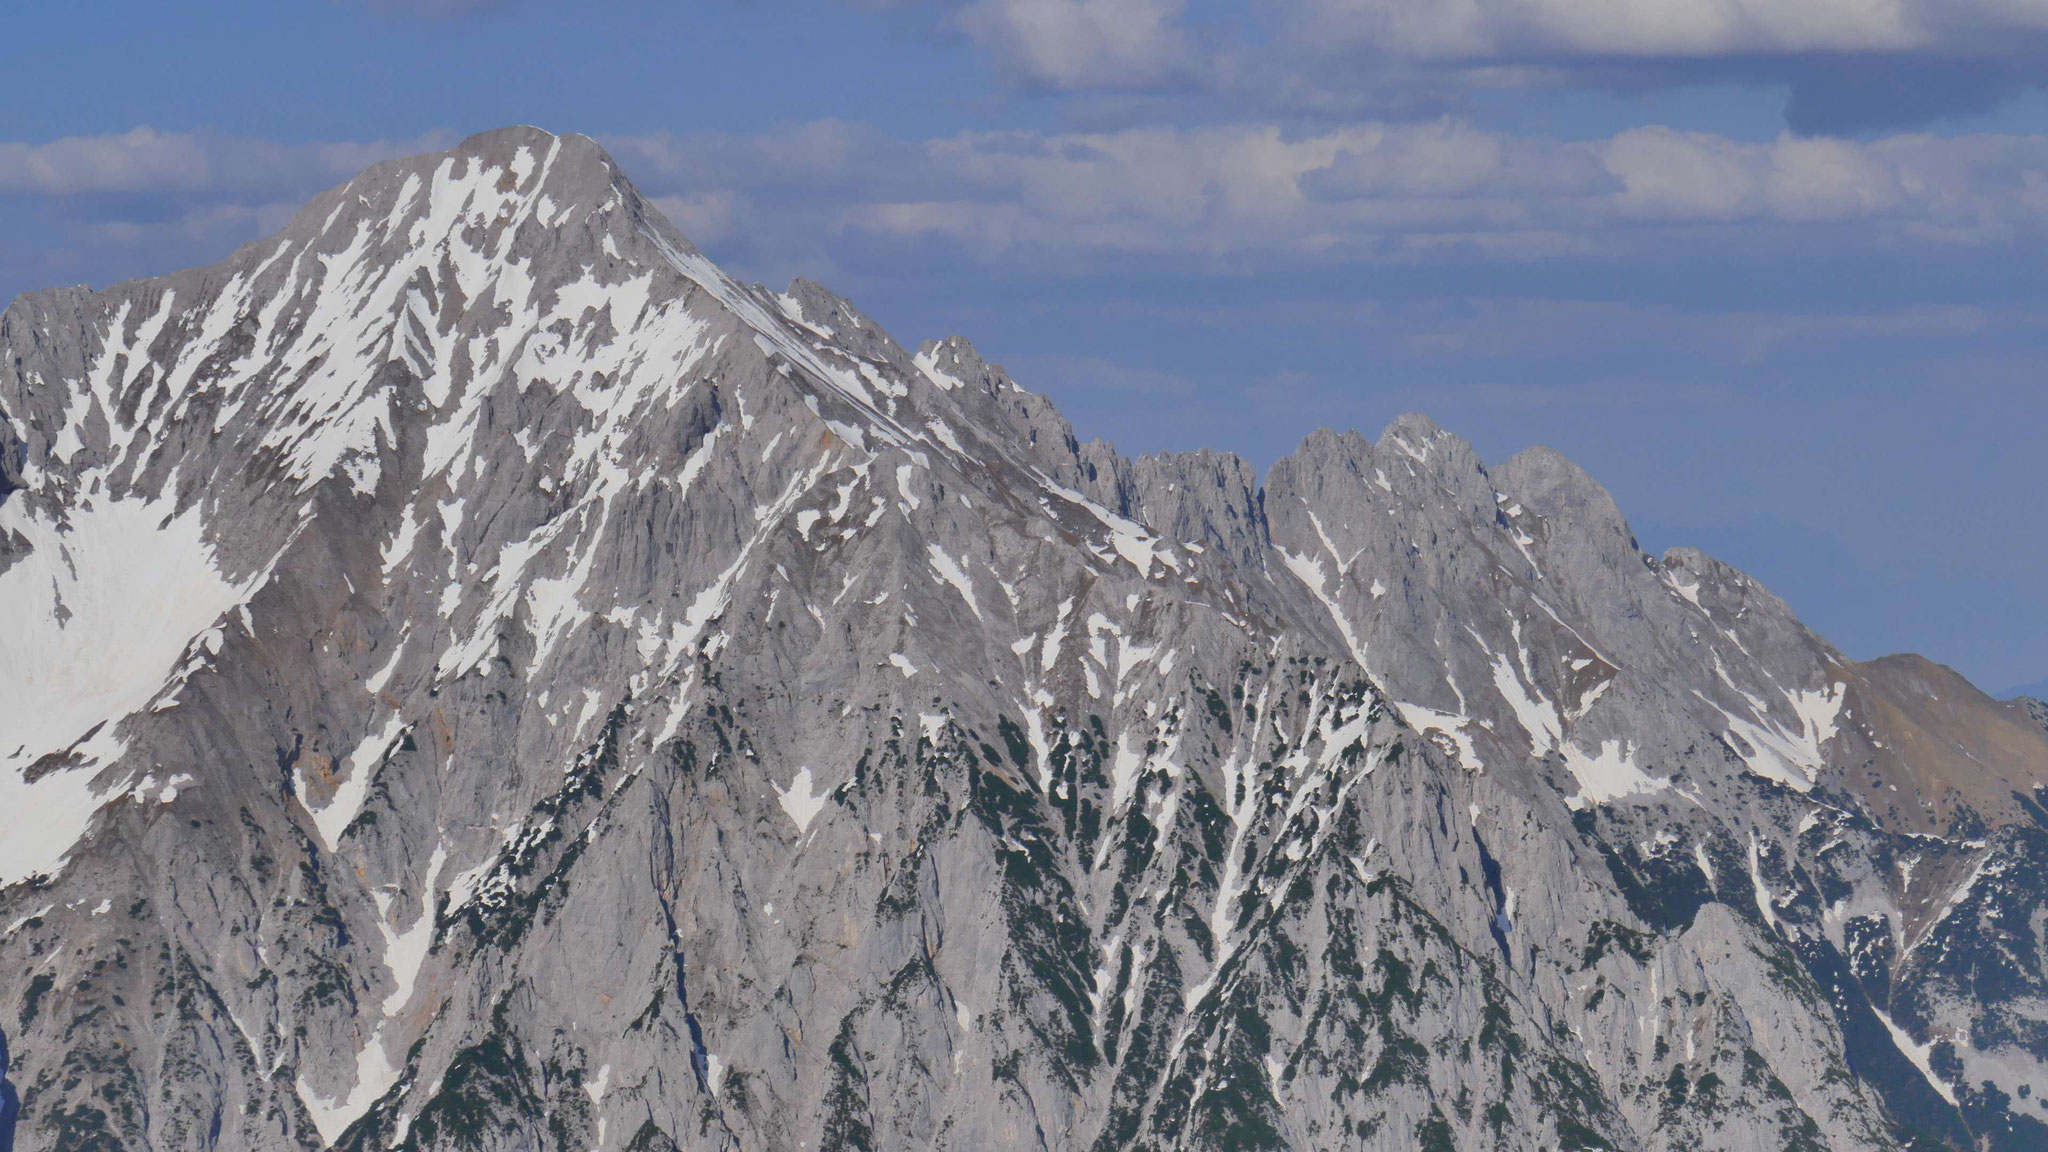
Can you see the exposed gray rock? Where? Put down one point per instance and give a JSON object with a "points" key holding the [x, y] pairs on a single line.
{"points": [[2036, 710], [475, 676]]}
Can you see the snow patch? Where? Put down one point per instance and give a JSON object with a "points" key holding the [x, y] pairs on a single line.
{"points": [[375, 1075], [356, 772], [405, 952], [1537, 715], [1128, 538], [1448, 725], [1123, 774], [1776, 752], [1918, 1054], [1761, 891], [100, 612], [799, 802], [17, 925], [1689, 592], [1608, 774], [949, 571], [1310, 573], [928, 363], [945, 434]]}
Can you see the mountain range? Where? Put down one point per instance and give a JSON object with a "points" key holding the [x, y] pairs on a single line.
{"points": [[473, 675]]}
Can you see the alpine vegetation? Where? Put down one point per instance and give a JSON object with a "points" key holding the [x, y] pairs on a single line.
{"points": [[475, 676]]}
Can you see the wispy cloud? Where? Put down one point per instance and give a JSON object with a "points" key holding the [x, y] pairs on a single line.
{"points": [[1535, 29], [145, 160], [1845, 64], [109, 206], [1376, 193], [1084, 44], [1246, 198]]}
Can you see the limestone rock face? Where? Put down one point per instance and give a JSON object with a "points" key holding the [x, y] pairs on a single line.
{"points": [[474, 676]]}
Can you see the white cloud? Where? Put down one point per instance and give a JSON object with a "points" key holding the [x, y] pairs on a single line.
{"points": [[141, 158], [1691, 176], [1072, 44], [831, 198], [1966, 190], [1846, 65], [145, 160], [705, 217], [1372, 192], [142, 202], [1526, 29]]}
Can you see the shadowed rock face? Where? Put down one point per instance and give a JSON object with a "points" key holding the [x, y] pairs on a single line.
{"points": [[474, 676], [10, 1102]]}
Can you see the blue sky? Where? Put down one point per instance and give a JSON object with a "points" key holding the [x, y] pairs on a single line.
{"points": [[1772, 270]]}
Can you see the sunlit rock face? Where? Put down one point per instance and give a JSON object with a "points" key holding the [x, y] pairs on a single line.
{"points": [[473, 676]]}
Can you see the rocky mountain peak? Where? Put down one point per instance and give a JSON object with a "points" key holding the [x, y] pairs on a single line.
{"points": [[476, 675], [1556, 489]]}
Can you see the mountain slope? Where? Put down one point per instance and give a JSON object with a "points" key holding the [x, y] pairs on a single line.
{"points": [[478, 677]]}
